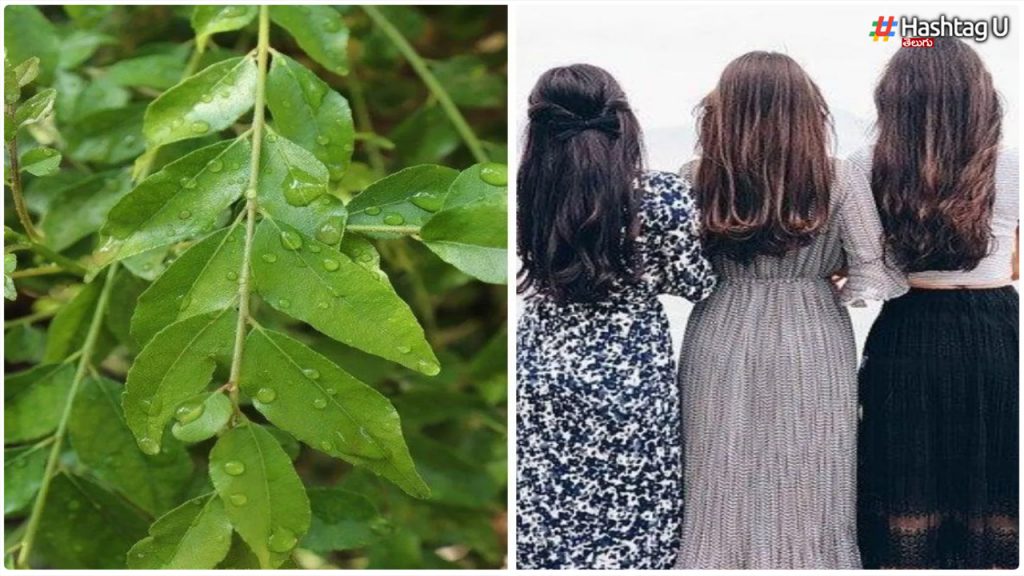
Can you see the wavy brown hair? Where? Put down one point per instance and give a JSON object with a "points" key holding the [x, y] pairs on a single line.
{"points": [[933, 171], [764, 174], [577, 201]]}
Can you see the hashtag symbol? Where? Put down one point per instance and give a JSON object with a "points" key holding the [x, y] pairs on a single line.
{"points": [[883, 29]]}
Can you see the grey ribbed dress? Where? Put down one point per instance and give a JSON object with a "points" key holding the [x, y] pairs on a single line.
{"points": [[768, 377]]}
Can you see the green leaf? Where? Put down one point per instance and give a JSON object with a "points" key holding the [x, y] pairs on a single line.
{"points": [[29, 398], [209, 101], [40, 161], [176, 365], [84, 526], [337, 296], [362, 252], [81, 208], [28, 33], [110, 136], [27, 71], [323, 406], [454, 480], [209, 20], [408, 197], [180, 201], [104, 444], [12, 89], [23, 474], [239, 557], [425, 136], [125, 292], [78, 99], [264, 497], [35, 108], [319, 31], [293, 190], [342, 520], [203, 279], [10, 265], [309, 113], [69, 327], [158, 71], [473, 238], [469, 83], [193, 536], [481, 182], [24, 343], [78, 45], [214, 411]]}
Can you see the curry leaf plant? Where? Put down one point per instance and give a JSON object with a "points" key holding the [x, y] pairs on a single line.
{"points": [[224, 257]]}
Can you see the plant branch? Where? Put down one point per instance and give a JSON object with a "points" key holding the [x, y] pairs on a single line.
{"points": [[410, 230], [197, 55], [31, 318], [16, 189], [262, 49], [428, 78], [58, 437], [38, 271], [52, 255]]}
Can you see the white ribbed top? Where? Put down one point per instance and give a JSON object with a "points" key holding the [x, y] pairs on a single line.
{"points": [[996, 266]]}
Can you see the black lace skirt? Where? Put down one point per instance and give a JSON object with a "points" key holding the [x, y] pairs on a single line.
{"points": [[938, 443]]}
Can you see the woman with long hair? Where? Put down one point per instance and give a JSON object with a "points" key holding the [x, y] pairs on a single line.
{"points": [[768, 366], [598, 445], [938, 383]]}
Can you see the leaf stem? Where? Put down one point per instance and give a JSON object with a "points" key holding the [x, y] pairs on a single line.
{"points": [[16, 190], [30, 319], [52, 255], [38, 271], [197, 55], [58, 437], [411, 230], [428, 78], [251, 207]]}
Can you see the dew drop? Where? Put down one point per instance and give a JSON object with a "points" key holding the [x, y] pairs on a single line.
{"points": [[373, 210], [291, 240], [184, 181], [232, 276], [427, 367], [394, 219], [314, 248], [329, 233], [311, 373], [207, 98], [330, 391], [323, 140], [215, 166], [284, 303], [331, 264], [301, 187], [238, 499], [149, 446], [266, 395], [323, 305], [189, 412], [234, 467], [319, 403], [366, 257], [281, 540], [326, 445], [200, 127], [404, 349], [428, 202], [184, 214], [494, 174], [271, 137], [269, 258]]}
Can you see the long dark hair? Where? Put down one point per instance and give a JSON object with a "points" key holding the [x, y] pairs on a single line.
{"points": [[764, 173], [933, 171], [576, 198]]}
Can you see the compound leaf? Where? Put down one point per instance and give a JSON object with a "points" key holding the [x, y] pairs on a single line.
{"points": [[180, 201], [207, 102], [309, 113], [323, 406], [29, 400], [263, 495], [337, 296], [408, 197], [193, 536], [176, 365], [203, 279], [101, 439], [319, 31]]}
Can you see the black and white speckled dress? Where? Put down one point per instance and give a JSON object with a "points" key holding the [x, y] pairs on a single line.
{"points": [[599, 447], [768, 375]]}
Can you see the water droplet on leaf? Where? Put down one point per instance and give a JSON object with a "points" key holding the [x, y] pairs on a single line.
{"points": [[200, 127], [329, 233], [428, 368], [184, 214], [394, 219], [234, 467], [189, 412], [281, 540], [266, 395], [216, 166], [232, 276], [428, 202], [319, 403], [284, 303], [238, 499], [291, 240], [149, 446], [404, 349], [373, 210], [323, 140], [311, 373], [494, 174], [269, 258], [301, 187], [330, 264]]}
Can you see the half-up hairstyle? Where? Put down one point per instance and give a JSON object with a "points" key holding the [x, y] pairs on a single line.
{"points": [[933, 170], [764, 175], [577, 201]]}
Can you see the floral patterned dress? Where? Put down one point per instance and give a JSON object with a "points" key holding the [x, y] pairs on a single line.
{"points": [[599, 445]]}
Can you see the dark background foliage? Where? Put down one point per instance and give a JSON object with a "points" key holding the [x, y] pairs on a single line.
{"points": [[107, 63]]}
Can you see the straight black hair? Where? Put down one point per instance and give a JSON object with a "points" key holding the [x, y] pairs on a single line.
{"points": [[577, 200]]}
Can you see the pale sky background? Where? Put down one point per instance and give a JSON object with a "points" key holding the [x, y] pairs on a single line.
{"points": [[668, 57]]}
